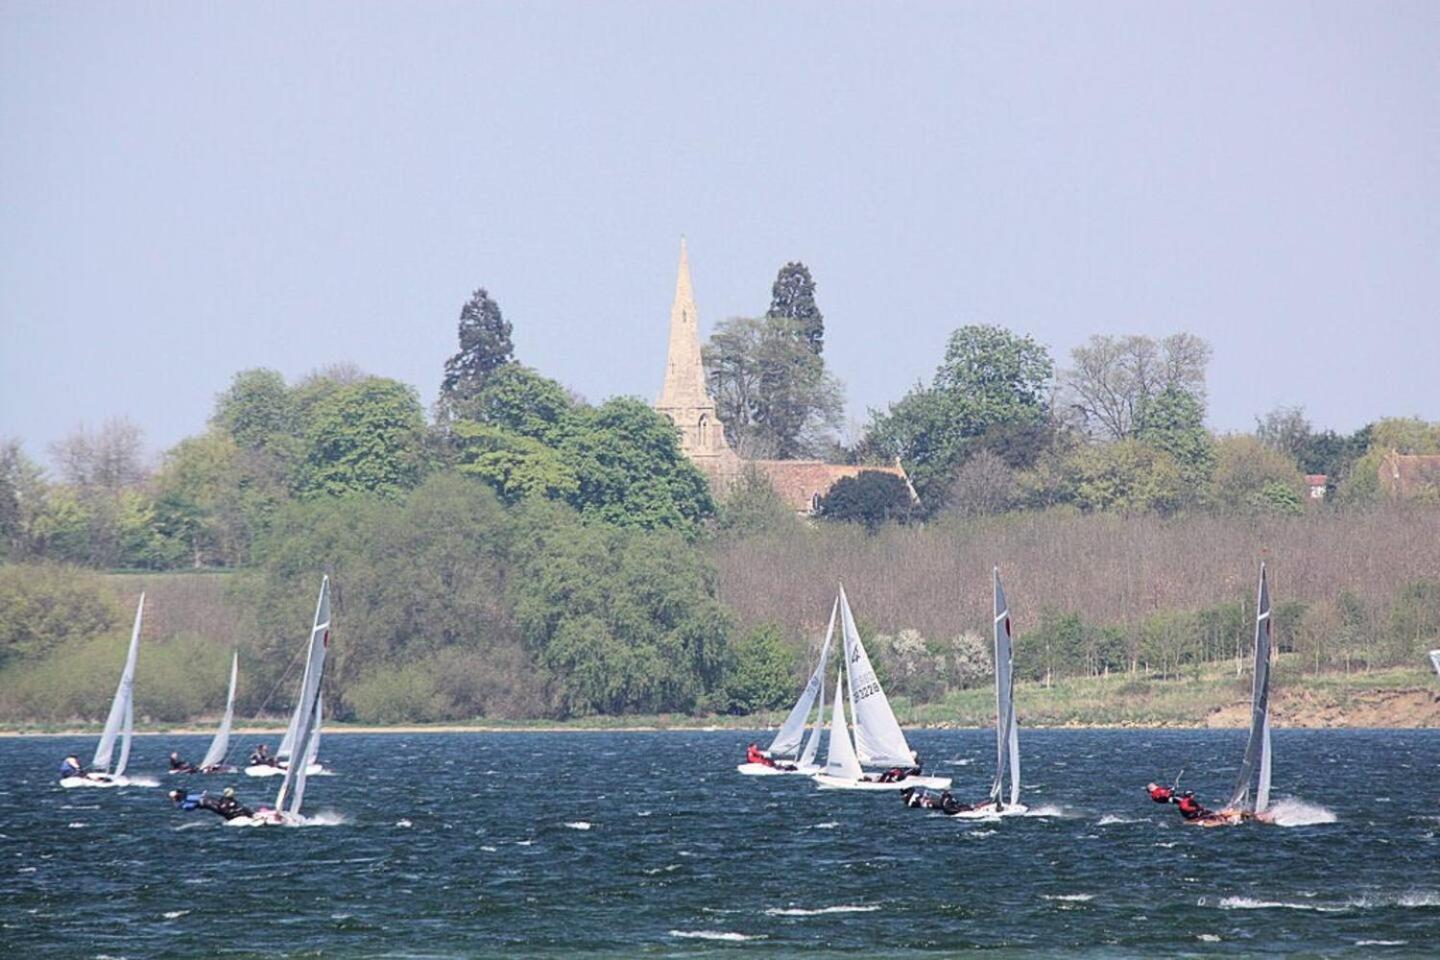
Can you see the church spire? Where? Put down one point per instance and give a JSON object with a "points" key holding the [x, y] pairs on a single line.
{"points": [[684, 397], [684, 370]]}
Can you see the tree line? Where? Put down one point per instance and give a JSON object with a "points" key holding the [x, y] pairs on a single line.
{"points": [[517, 551]]}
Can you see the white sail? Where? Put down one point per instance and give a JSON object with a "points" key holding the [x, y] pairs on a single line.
{"points": [[840, 758], [1257, 745], [792, 731], [812, 745], [127, 733], [1007, 728], [1435, 661], [309, 700], [220, 746], [303, 773], [878, 739], [121, 712]]}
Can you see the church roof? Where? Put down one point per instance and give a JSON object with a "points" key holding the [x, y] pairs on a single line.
{"points": [[799, 482]]}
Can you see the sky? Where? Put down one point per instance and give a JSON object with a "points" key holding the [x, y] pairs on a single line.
{"points": [[190, 190]]}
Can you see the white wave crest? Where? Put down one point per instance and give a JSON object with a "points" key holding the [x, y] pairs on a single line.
{"points": [[175, 914], [579, 825], [1070, 897], [326, 818], [827, 825], [802, 912], [1381, 943], [1046, 810], [727, 935], [1110, 818], [1291, 812], [403, 823]]}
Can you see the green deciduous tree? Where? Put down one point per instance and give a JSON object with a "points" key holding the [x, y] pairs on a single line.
{"points": [[1174, 421], [365, 437], [42, 607], [1125, 476], [762, 671], [1251, 477], [991, 379]]}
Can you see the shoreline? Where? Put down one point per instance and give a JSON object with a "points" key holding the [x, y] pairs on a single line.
{"points": [[414, 729]]}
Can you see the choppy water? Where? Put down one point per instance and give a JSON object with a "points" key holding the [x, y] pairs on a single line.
{"points": [[651, 845]]}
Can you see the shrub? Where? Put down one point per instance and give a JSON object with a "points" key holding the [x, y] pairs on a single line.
{"points": [[762, 672]]}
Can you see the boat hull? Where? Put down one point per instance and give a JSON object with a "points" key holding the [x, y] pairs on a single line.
{"points": [[762, 770], [100, 780], [268, 770], [827, 782], [990, 813]]}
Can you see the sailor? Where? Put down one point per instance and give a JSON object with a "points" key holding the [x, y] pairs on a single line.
{"points": [[1190, 808], [71, 767], [229, 806], [261, 757], [914, 770], [753, 755], [226, 806], [1158, 793], [893, 775], [178, 765]]}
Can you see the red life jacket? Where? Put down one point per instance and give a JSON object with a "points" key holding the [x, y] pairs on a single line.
{"points": [[753, 755], [1190, 808], [1161, 794]]}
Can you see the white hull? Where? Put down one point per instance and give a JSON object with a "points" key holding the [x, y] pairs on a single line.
{"points": [[990, 813], [267, 770], [825, 781], [106, 780], [761, 770]]}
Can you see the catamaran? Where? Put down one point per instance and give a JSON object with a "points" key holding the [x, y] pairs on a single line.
{"points": [[786, 749], [1250, 799], [876, 739], [214, 760], [286, 811], [120, 723]]}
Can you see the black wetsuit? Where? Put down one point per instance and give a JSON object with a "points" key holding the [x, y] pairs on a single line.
{"points": [[230, 808]]}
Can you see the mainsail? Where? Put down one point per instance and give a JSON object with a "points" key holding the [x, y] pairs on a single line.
{"points": [[792, 731], [840, 760], [1257, 746], [220, 746], [878, 739], [1435, 660], [292, 789], [1007, 728], [121, 720], [812, 745]]}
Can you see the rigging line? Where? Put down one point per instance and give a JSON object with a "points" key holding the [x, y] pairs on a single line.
{"points": [[283, 677]]}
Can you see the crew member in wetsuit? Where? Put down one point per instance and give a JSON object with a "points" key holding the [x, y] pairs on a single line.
{"points": [[945, 802], [71, 767], [227, 807], [261, 757], [178, 765], [1190, 808]]}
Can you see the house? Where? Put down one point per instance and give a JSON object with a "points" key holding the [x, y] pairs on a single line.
{"points": [[1316, 483]]}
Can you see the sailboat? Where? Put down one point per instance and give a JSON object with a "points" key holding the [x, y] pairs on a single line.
{"points": [[214, 760], [876, 738], [1435, 661], [1250, 800], [286, 811], [287, 750], [787, 743], [119, 724], [1007, 725]]}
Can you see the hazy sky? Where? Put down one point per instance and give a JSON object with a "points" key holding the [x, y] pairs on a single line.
{"points": [[187, 190]]}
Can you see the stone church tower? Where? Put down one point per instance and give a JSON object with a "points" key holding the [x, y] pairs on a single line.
{"points": [[685, 398]]}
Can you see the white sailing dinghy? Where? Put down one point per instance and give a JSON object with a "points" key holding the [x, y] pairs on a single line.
{"points": [[120, 723], [286, 751], [1007, 725], [286, 811], [214, 760], [785, 748], [1251, 798], [877, 738]]}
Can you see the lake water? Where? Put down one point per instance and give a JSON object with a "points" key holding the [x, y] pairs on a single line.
{"points": [[638, 844]]}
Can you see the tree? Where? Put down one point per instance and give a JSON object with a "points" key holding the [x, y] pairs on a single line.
{"points": [[515, 465], [1251, 477], [1113, 377], [626, 458], [991, 379], [792, 298], [871, 497], [1126, 476], [213, 498], [753, 507], [1285, 430], [22, 493], [762, 671], [1173, 421], [484, 347], [983, 486], [365, 437], [42, 607], [259, 412], [773, 393], [517, 399], [107, 460]]}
